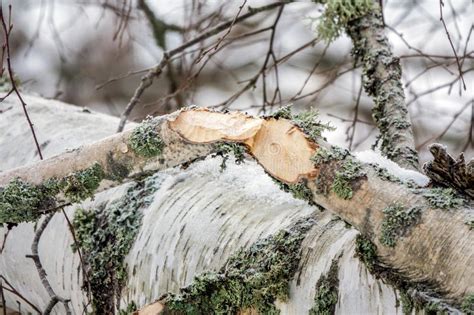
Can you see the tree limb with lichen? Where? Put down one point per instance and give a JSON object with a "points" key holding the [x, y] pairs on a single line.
{"points": [[290, 151], [362, 20]]}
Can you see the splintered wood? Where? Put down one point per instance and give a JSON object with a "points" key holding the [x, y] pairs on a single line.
{"points": [[278, 145]]}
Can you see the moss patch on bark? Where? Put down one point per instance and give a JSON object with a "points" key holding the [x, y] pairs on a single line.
{"points": [[397, 223], [327, 292], [253, 278], [22, 202], [338, 13], [145, 139], [104, 236]]}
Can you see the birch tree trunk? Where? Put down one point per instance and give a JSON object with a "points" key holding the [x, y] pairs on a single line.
{"points": [[194, 220]]}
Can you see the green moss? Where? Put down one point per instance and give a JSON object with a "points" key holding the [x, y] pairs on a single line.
{"points": [[327, 291], [338, 13], [299, 190], [311, 125], [252, 278], [324, 155], [283, 112], [435, 308], [82, 184], [348, 172], [19, 201], [407, 302], [308, 121], [224, 149], [23, 202], [130, 309], [145, 139], [443, 198], [105, 236], [467, 305], [384, 174], [366, 251], [397, 222]]}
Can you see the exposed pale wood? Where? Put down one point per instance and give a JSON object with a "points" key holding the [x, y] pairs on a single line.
{"points": [[278, 145], [151, 309], [203, 126]]}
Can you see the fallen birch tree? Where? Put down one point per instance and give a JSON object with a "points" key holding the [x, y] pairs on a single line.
{"points": [[416, 239], [201, 211]]}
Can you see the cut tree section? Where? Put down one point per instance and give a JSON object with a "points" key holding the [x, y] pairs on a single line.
{"points": [[277, 144]]}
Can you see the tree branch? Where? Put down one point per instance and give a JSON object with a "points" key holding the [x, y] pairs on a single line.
{"points": [[365, 196], [382, 81]]}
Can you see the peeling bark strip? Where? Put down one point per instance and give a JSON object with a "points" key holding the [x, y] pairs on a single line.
{"points": [[382, 81], [437, 248]]}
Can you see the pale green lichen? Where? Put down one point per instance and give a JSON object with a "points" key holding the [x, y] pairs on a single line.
{"points": [[324, 155], [327, 291], [407, 302], [311, 125], [105, 235], [383, 173], [397, 222], [308, 121], [367, 252], [283, 112], [299, 190], [253, 278], [467, 305], [435, 308], [224, 149], [22, 202], [338, 13], [82, 184], [19, 202], [130, 309], [443, 198], [345, 175], [145, 140]]}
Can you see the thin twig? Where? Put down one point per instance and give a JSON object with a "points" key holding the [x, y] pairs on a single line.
{"points": [[156, 71], [6, 45], [441, 18], [15, 292], [4, 305], [54, 298]]}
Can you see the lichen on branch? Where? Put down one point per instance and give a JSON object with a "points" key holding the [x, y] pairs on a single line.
{"points": [[327, 291], [397, 223], [21, 201], [338, 13], [145, 139]]}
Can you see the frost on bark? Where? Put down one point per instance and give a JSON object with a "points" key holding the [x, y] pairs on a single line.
{"points": [[201, 217]]}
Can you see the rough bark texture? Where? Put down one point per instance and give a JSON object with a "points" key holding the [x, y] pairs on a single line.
{"points": [[382, 80], [435, 250], [200, 216]]}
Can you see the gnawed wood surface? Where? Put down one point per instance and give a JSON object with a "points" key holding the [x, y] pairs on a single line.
{"points": [[199, 217]]}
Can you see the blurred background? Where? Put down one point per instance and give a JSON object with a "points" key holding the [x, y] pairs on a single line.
{"points": [[92, 53]]}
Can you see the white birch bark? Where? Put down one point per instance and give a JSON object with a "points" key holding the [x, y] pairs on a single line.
{"points": [[199, 217]]}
